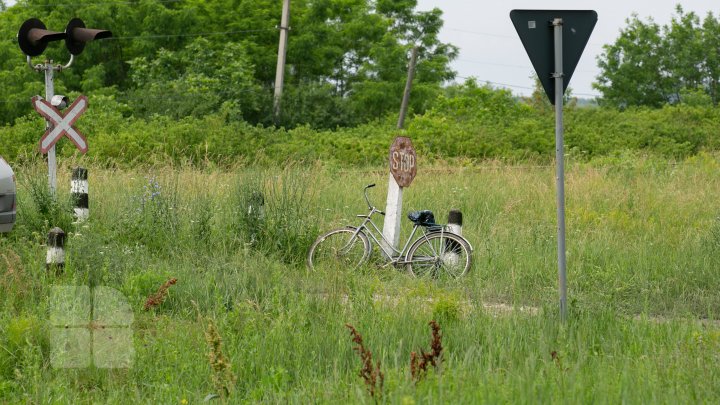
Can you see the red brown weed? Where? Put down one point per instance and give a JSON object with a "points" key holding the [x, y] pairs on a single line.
{"points": [[419, 364], [159, 296], [371, 374]]}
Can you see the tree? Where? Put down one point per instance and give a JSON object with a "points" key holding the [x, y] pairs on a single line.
{"points": [[710, 43], [652, 65], [684, 53], [633, 70], [197, 80]]}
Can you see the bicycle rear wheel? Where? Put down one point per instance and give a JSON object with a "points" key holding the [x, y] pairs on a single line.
{"points": [[439, 254], [340, 248]]}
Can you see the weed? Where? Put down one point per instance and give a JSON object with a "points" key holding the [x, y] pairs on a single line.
{"points": [[14, 277], [153, 220], [158, 298], [223, 378], [558, 362], [371, 374], [46, 210], [419, 364]]}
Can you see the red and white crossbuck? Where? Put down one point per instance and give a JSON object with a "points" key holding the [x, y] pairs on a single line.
{"points": [[61, 124]]}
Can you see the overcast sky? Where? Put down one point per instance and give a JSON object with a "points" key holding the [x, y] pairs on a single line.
{"points": [[490, 49]]}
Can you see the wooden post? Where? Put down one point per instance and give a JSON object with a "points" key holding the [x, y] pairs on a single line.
{"points": [[408, 88], [282, 53]]}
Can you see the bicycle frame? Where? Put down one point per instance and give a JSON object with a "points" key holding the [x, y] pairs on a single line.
{"points": [[393, 255]]}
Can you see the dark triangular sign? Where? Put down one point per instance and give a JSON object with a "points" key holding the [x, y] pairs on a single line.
{"points": [[535, 28]]}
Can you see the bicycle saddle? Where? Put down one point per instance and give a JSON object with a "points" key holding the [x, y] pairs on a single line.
{"points": [[423, 218]]}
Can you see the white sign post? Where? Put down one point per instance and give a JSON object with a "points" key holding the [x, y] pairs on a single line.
{"points": [[403, 169], [393, 212]]}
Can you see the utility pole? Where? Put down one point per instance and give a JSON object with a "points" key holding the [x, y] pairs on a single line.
{"points": [[393, 205], [282, 52], [408, 87]]}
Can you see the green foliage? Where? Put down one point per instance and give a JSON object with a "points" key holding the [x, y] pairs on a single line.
{"points": [[346, 59], [152, 219], [202, 78], [466, 122], [42, 210], [652, 65]]}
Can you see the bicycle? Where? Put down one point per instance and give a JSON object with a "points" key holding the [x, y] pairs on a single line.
{"points": [[434, 253]]}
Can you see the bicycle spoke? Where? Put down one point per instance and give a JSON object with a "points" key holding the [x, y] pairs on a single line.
{"points": [[439, 255], [342, 248]]}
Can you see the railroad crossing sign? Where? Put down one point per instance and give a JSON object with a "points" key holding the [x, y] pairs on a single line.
{"points": [[403, 161], [61, 124]]}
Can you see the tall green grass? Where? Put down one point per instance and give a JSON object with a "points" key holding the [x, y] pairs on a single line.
{"points": [[643, 245]]}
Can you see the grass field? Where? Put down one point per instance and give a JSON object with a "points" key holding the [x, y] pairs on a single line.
{"points": [[643, 256]]}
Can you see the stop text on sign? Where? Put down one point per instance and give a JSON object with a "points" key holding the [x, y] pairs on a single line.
{"points": [[403, 161]]}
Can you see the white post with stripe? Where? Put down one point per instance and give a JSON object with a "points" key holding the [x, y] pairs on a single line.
{"points": [[455, 222], [55, 258], [79, 190]]}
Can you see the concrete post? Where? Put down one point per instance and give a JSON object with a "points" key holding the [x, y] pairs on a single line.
{"points": [[455, 222], [55, 250], [79, 190]]}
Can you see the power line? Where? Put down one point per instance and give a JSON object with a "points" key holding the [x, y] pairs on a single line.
{"points": [[526, 67], [523, 87], [106, 3], [487, 34], [199, 34], [496, 83], [493, 64]]}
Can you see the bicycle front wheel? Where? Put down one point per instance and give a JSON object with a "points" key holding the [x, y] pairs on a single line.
{"points": [[439, 254], [341, 248]]}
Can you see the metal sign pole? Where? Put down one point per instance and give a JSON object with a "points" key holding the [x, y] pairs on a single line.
{"points": [[49, 93], [560, 163]]}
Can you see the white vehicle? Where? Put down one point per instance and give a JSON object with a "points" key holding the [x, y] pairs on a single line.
{"points": [[7, 197]]}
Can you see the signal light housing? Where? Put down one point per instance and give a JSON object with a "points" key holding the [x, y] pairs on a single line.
{"points": [[33, 37], [77, 36]]}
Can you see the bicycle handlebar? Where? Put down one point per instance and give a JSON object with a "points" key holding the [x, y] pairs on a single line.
{"points": [[367, 200]]}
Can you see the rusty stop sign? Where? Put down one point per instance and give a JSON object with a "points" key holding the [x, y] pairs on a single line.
{"points": [[403, 161]]}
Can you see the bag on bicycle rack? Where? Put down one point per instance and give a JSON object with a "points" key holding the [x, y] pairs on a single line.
{"points": [[423, 218]]}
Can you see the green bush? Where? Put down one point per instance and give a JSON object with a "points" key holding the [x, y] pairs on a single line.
{"points": [[470, 122]]}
